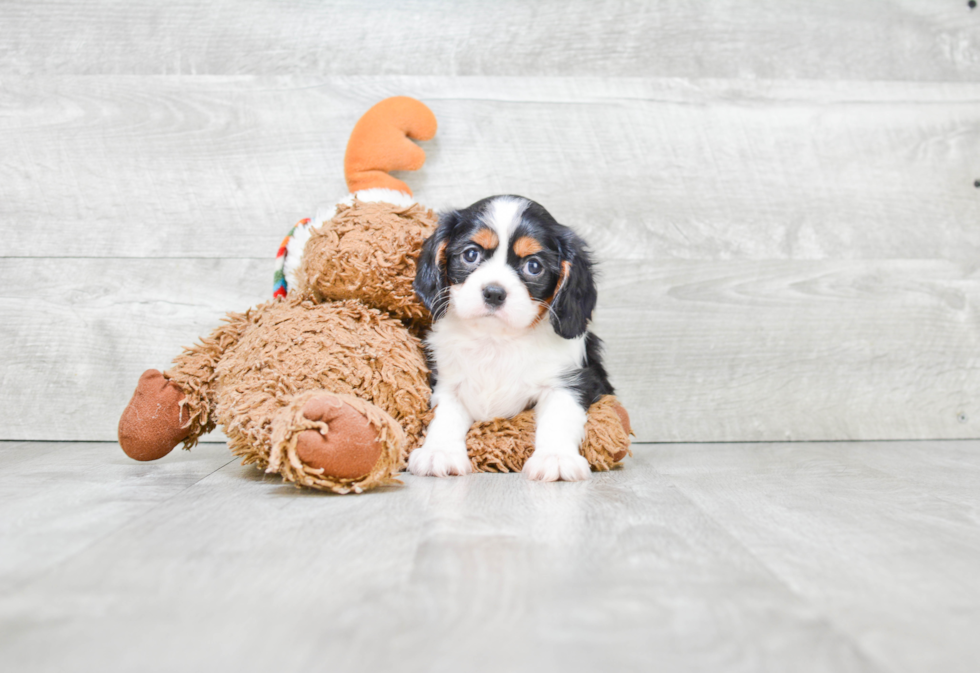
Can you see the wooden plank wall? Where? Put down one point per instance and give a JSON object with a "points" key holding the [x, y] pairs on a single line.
{"points": [[781, 193]]}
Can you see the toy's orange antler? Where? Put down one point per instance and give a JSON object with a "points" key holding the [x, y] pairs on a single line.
{"points": [[380, 143]]}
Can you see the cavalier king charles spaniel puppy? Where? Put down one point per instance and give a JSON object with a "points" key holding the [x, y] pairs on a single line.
{"points": [[511, 292]]}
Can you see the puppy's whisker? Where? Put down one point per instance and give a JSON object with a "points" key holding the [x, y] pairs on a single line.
{"points": [[441, 302], [551, 310]]}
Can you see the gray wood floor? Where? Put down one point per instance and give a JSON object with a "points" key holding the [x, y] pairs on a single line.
{"points": [[720, 557]]}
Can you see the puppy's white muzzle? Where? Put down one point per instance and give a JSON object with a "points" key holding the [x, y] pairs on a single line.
{"points": [[495, 289]]}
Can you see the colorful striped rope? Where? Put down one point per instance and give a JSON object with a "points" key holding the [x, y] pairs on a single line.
{"points": [[279, 285]]}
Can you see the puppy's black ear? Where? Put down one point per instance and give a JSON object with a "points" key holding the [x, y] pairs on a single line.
{"points": [[430, 278], [576, 293]]}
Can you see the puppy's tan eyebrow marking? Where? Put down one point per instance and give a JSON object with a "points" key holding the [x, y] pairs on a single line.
{"points": [[441, 253], [486, 238], [526, 245]]}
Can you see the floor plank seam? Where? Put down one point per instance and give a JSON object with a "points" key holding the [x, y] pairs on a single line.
{"points": [[94, 543], [912, 484], [823, 616]]}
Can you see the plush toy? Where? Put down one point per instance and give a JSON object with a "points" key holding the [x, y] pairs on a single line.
{"points": [[327, 383]]}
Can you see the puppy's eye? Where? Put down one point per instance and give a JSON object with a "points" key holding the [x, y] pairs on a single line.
{"points": [[533, 267], [471, 255]]}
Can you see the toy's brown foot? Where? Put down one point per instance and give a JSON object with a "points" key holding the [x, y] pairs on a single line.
{"points": [[152, 424], [349, 449], [624, 418]]}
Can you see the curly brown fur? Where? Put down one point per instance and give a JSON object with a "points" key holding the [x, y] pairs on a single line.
{"points": [[194, 372], [369, 252], [504, 445], [295, 346]]}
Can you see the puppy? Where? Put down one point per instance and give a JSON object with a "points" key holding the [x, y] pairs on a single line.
{"points": [[511, 292]]}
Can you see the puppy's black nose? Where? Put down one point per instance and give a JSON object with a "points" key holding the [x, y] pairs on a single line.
{"points": [[494, 295]]}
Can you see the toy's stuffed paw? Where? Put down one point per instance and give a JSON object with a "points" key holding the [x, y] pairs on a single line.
{"points": [[555, 466], [349, 449], [432, 462], [153, 423]]}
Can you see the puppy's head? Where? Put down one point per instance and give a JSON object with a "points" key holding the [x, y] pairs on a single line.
{"points": [[506, 258]]}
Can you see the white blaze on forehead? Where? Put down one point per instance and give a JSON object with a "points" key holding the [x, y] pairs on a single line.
{"points": [[503, 215], [519, 310]]}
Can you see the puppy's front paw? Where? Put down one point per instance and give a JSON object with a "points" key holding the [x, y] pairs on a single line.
{"points": [[555, 466], [426, 462]]}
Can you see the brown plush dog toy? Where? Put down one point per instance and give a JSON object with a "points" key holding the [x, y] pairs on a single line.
{"points": [[327, 385]]}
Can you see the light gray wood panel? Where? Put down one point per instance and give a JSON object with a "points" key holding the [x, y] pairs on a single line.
{"points": [[890, 561], [645, 169], [881, 39], [484, 573], [77, 333], [699, 351], [818, 350]]}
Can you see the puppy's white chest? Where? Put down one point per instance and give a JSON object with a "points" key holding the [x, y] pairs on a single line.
{"points": [[498, 374], [496, 380]]}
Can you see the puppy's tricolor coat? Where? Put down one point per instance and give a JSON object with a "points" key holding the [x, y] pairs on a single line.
{"points": [[511, 293]]}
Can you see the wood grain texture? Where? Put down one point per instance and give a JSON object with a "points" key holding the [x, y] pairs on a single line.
{"points": [[698, 350], [792, 350], [644, 169], [854, 532], [782, 193], [98, 492], [77, 333], [935, 40], [701, 557]]}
